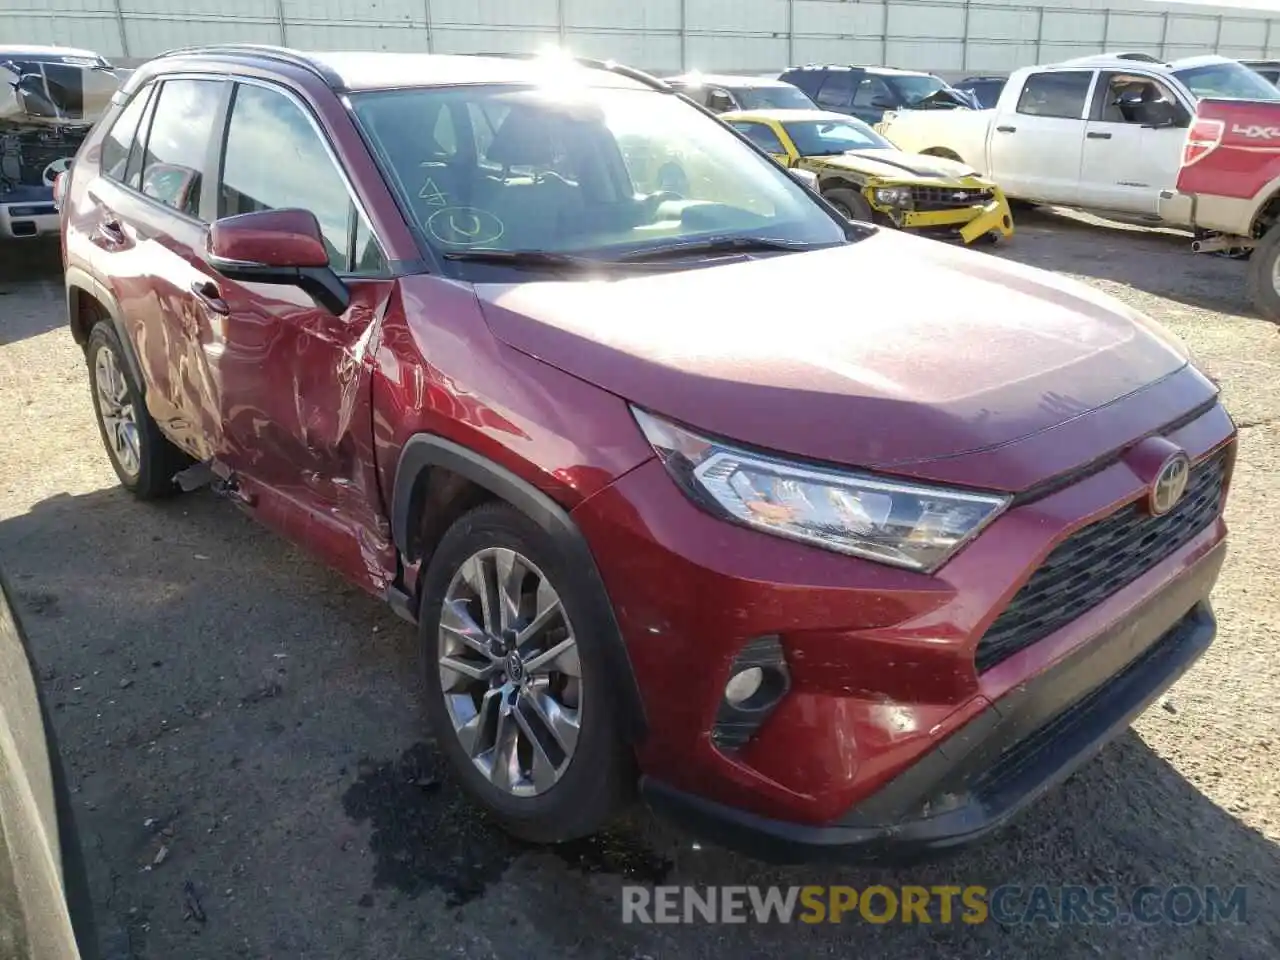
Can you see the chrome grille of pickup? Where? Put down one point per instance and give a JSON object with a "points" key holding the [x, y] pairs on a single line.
{"points": [[1097, 561], [948, 198]]}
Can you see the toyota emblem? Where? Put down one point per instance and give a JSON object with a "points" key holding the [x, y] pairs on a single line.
{"points": [[1170, 484]]}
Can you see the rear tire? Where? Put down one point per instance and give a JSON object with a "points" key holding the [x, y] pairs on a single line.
{"points": [[142, 457], [1264, 275], [850, 203], [536, 743]]}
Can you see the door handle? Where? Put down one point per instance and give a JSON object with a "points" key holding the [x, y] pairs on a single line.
{"points": [[109, 229], [1004, 129], [1098, 136], [206, 291]]}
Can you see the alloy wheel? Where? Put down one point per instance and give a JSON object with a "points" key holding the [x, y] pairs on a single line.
{"points": [[510, 672], [115, 410], [1275, 275]]}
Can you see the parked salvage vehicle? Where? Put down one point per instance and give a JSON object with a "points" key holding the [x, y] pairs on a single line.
{"points": [[49, 99], [1269, 70], [866, 178], [1231, 176], [720, 93], [1099, 133], [868, 92], [985, 90], [674, 504], [45, 908]]}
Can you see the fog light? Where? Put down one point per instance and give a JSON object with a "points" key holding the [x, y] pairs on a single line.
{"points": [[743, 686], [758, 680]]}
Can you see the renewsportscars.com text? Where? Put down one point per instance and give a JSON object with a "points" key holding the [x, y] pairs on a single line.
{"points": [[1006, 905]]}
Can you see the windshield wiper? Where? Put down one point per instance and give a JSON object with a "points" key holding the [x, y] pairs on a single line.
{"points": [[719, 245], [532, 259]]}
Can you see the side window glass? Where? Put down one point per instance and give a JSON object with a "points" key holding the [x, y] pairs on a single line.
{"points": [[837, 92], [133, 171], [1060, 94], [761, 136], [367, 257], [119, 141], [178, 144], [1136, 100], [872, 92], [275, 160]]}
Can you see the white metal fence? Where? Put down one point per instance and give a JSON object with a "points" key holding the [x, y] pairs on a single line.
{"points": [[943, 35]]}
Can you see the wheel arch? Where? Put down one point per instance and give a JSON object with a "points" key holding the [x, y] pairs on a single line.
{"points": [[89, 303], [944, 153], [425, 453]]}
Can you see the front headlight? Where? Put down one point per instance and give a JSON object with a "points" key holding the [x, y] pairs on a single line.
{"points": [[903, 524], [894, 196]]}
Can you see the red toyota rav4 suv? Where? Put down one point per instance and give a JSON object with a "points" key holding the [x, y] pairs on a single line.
{"points": [[831, 540]]}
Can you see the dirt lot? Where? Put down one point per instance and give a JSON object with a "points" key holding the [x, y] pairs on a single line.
{"points": [[225, 699]]}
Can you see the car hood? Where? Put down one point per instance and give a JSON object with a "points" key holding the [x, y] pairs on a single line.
{"points": [[880, 353], [899, 165]]}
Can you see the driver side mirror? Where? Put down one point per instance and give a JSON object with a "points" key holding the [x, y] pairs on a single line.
{"points": [[278, 246], [807, 178], [1162, 113]]}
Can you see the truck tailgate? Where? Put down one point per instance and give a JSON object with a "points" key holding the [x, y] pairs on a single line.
{"points": [[1232, 149]]}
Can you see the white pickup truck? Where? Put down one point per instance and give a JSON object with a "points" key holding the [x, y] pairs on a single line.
{"points": [[1100, 133]]}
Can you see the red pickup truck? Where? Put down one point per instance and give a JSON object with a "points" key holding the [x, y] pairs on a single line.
{"points": [[1231, 170]]}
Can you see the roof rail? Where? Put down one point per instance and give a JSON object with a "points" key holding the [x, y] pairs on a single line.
{"points": [[1140, 57], [648, 79], [267, 52]]}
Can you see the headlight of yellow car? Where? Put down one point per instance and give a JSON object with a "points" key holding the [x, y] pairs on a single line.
{"points": [[894, 196]]}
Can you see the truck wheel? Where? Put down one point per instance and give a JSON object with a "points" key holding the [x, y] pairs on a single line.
{"points": [[142, 457], [850, 203], [1264, 275], [518, 691]]}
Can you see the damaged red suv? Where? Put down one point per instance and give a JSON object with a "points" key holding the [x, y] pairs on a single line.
{"points": [[682, 494]]}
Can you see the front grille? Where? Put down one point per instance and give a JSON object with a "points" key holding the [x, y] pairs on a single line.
{"points": [[948, 198], [1099, 560]]}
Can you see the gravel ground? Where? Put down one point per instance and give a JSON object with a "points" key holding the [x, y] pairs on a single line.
{"points": [[241, 725]]}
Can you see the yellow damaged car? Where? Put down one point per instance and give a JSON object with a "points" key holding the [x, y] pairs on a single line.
{"points": [[866, 177]]}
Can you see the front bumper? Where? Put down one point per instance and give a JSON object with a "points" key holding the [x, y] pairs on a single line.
{"points": [[970, 223], [882, 662], [28, 220], [1003, 759]]}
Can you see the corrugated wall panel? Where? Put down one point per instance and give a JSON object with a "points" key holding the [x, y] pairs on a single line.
{"points": [[496, 13], [736, 16], [338, 11], [945, 35], [400, 38], [645, 15]]}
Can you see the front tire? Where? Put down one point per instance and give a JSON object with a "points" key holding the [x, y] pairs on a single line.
{"points": [[1264, 275], [142, 457], [850, 203], [518, 691]]}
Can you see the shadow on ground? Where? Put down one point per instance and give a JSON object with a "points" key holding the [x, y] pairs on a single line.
{"points": [[243, 731], [1157, 261], [27, 268]]}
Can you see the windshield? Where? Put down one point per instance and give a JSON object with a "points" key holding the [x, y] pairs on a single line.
{"points": [[773, 98], [1232, 81], [819, 138], [575, 169], [914, 88]]}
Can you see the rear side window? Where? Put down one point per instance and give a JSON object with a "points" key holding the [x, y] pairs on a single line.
{"points": [[1059, 94], [276, 160], [761, 136], [178, 145], [837, 91], [873, 92], [806, 80], [118, 143]]}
